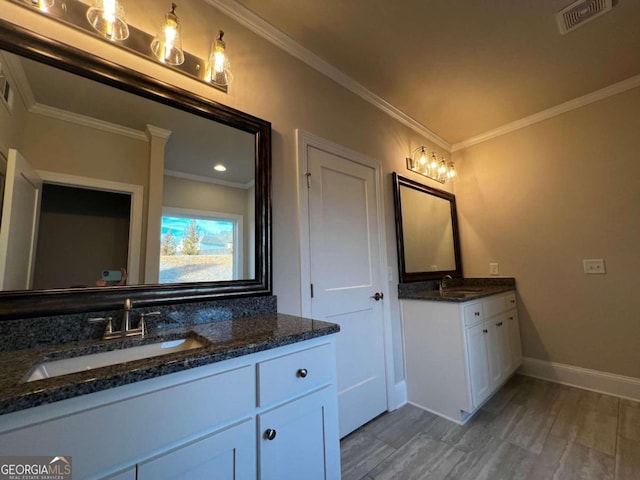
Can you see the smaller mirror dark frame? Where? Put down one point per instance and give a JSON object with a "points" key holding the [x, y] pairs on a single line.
{"points": [[24, 304], [405, 276]]}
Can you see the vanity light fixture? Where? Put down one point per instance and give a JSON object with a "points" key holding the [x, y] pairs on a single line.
{"points": [[218, 66], [43, 5], [167, 45], [107, 18], [429, 165]]}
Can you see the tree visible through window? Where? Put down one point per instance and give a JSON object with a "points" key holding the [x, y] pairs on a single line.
{"points": [[197, 249]]}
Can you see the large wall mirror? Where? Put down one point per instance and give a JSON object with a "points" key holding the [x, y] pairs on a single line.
{"points": [[426, 231], [120, 186]]}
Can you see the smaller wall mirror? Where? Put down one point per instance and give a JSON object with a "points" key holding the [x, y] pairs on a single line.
{"points": [[426, 231]]}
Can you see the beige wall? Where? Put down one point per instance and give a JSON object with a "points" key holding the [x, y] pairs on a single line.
{"points": [[58, 146], [540, 200]]}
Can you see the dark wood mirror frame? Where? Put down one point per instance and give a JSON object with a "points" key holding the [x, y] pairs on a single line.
{"points": [[23, 304], [405, 276]]}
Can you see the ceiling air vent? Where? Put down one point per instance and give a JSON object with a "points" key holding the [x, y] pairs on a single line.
{"points": [[581, 12]]}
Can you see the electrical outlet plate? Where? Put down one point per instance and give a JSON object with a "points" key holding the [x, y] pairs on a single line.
{"points": [[493, 269], [594, 266]]}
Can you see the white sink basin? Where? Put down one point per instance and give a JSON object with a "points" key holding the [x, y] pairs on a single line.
{"points": [[55, 368]]}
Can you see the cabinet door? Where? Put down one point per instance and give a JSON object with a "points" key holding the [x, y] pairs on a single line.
{"points": [[478, 363], [500, 350], [225, 455], [300, 439], [514, 339]]}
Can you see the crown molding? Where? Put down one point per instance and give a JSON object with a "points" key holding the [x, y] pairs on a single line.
{"points": [[215, 181], [587, 99], [86, 121], [257, 25]]}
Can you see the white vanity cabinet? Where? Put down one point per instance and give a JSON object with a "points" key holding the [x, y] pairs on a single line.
{"points": [[202, 423], [458, 354]]}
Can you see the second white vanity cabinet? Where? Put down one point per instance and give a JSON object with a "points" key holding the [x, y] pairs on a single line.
{"points": [[458, 353]]}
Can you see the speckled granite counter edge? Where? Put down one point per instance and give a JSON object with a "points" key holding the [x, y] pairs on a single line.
{"points": [[428, 290], [255, 335]]}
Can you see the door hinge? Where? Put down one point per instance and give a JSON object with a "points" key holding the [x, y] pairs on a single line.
{"points": [[312, 290], [308, 175]]}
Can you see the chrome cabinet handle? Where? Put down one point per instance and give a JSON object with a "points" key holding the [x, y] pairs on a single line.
{"points": [[270, 434], [378, 296], [477, 314], [302, 373], [485, 331]]}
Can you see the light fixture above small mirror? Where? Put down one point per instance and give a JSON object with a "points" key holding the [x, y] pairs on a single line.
{"points": [[429, 165]]}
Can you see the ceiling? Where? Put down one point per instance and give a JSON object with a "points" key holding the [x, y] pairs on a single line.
{"points": [[463, 67]]}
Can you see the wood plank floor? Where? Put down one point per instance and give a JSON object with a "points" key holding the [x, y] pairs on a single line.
{"points": [[529, 430]]}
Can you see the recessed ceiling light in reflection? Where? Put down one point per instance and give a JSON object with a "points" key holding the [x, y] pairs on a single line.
{"points": [[220, 168]]}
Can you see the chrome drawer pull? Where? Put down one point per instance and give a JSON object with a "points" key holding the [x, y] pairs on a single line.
{"points": [[269, 434], [302, 373]]}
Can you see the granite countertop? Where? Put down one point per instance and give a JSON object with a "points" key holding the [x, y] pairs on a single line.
{"points": [[456, 294], [458, 290], [222, 340]]}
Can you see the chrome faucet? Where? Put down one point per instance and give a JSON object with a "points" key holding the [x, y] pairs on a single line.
{"points": [[443, 283], [125, 325]]}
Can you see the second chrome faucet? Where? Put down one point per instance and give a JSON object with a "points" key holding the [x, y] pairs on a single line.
{"points": [[443, 283]]}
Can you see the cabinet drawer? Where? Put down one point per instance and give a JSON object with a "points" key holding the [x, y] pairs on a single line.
{"points": [[287, 376], [494, 306], [473, 314], [510, 300]]}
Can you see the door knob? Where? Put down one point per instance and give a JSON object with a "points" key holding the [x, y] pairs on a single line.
{"points": [[378, 296]]}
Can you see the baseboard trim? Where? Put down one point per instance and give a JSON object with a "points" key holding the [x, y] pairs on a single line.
{"points": [[594, 380]]}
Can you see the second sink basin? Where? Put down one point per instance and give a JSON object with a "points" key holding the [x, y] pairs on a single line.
{"points": [[55, 368]]}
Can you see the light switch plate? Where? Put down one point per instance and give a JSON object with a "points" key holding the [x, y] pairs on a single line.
{"points": [[594, 266], [493, 269]]}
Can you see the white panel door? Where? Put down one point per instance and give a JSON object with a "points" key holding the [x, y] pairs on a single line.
{"points": [[345, 274], [19, 227]]}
